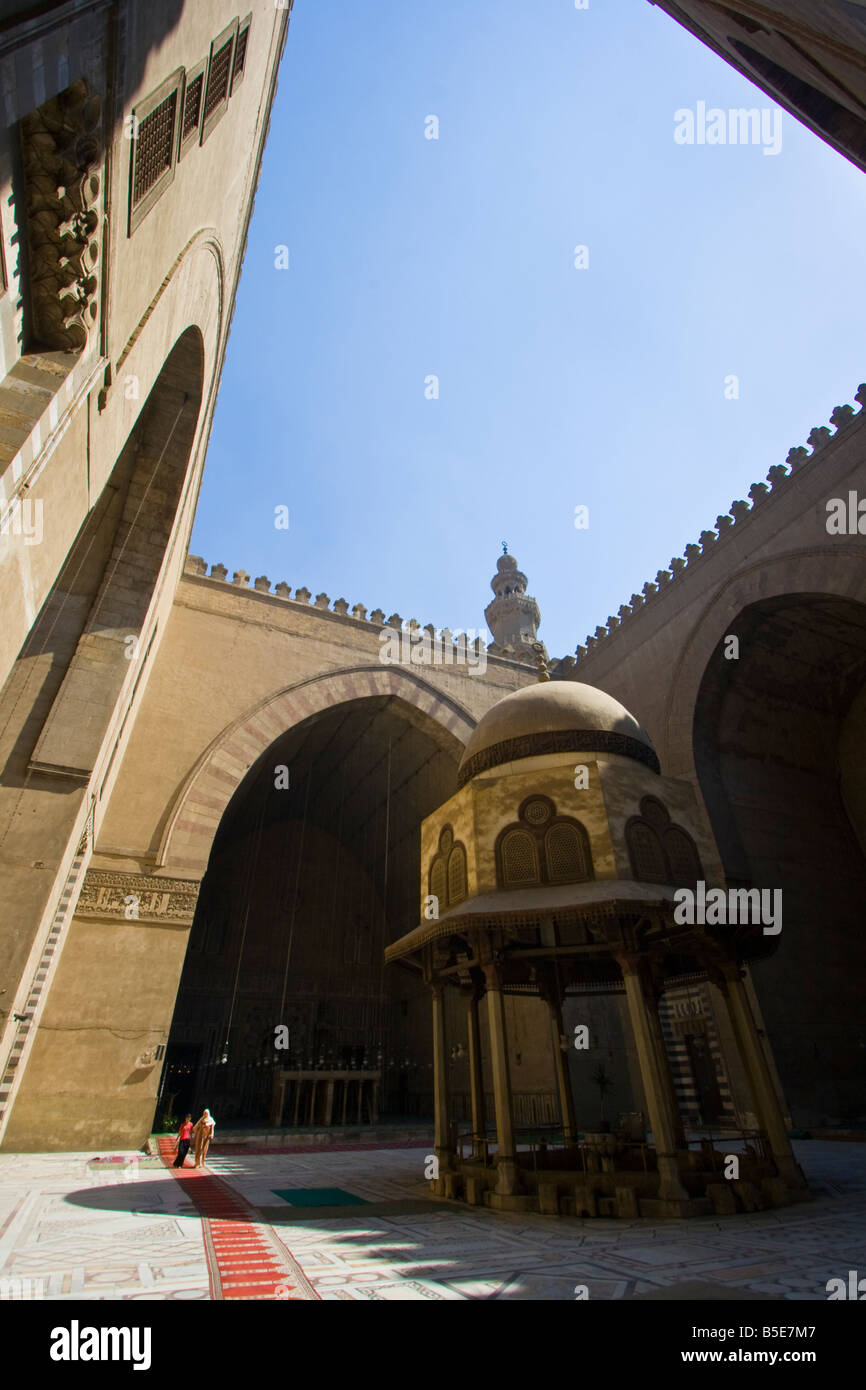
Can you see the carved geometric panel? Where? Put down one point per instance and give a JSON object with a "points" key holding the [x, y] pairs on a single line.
{"points": [[137, 897]]}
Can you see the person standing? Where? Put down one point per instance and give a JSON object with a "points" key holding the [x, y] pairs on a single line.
{"points": [[203, 1132], [184, 1135]]}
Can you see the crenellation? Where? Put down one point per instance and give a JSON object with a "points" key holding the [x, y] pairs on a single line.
{"points": [[819, 437], [262, 585], [841, 417], [797, 457]]}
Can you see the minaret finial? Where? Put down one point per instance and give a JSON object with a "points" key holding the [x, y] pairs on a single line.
{"points": [[513, 616]]}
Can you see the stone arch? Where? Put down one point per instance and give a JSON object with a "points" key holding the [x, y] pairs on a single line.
{"points": [[834, 571], [768, 753], [199, 808], [98, 619]]}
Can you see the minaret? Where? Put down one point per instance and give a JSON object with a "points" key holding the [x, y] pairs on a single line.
{"points": [[512, 616]]}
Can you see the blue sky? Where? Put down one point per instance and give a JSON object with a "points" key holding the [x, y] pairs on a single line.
{"points": [[558, 387]]}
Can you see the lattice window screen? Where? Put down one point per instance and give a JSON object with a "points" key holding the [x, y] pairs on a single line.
{"points": [[240, 54], [437, 880], [647, 856], [218, 78], [566, 854], [153, 147], [192, 105], [519, 858], [682, 856], [456, 875]]}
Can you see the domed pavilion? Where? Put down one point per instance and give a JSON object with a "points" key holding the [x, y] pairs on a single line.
{"points": [[552, 871]]}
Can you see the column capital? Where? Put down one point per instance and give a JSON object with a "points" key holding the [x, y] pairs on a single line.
{"points": [[551, 986], [631, 963], [723, 971]]}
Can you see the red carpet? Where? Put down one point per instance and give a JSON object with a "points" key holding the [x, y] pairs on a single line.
{"points": [[242, 1261]]}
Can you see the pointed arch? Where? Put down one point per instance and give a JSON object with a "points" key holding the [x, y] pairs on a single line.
{"points": [[198, 810]]}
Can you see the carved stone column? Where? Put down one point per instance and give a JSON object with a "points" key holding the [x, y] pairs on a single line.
{"points": [[506, 1160], [476, 1077], [550, 993], [729, 981], [653, 988], [653, 1063], [442, 1128]]}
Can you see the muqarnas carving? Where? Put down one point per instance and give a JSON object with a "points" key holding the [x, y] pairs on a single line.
{"points": [[61, 152]]}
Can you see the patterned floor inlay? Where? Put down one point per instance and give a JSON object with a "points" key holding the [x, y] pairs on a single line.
{"points": [[74, 1229]]}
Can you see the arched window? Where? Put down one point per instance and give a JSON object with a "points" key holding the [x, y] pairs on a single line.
{"points": [[542, 847], [566, 852], [519, 858], [437, 879], [659, 851], [446, 879], [682, 855], [456, 875], [646, 853]]}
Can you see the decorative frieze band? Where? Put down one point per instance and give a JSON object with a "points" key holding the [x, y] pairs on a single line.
{"points": [[137, 897], [557, 741]]}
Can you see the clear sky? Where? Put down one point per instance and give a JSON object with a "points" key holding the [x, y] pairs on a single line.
{"points": [[558, 387]]}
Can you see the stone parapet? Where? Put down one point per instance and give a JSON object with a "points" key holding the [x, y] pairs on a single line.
{"points": [[844, 419]]}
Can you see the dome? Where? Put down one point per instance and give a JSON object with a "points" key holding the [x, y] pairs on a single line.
{"points": [[554, 717]]}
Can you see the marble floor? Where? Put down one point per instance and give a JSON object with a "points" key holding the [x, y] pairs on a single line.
{"points": [[72, 1227]]}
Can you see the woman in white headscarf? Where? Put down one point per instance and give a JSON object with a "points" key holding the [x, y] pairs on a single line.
{"points": [[203, 1133]]}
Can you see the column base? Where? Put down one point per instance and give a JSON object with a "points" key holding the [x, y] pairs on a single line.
{"points": [[508, 1179], [790, 1172], [670, 1184]]}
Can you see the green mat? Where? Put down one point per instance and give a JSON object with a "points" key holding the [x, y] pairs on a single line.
{"points": [[318, 1197]]}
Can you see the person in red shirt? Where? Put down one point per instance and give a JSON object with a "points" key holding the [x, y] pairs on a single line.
{"points": [[184, 1135]]}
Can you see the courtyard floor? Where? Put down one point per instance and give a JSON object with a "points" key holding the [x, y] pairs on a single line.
{"points": [[358, 1225]]}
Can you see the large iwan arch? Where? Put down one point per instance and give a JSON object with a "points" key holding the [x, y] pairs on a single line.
{"points": [[194, 820]]}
